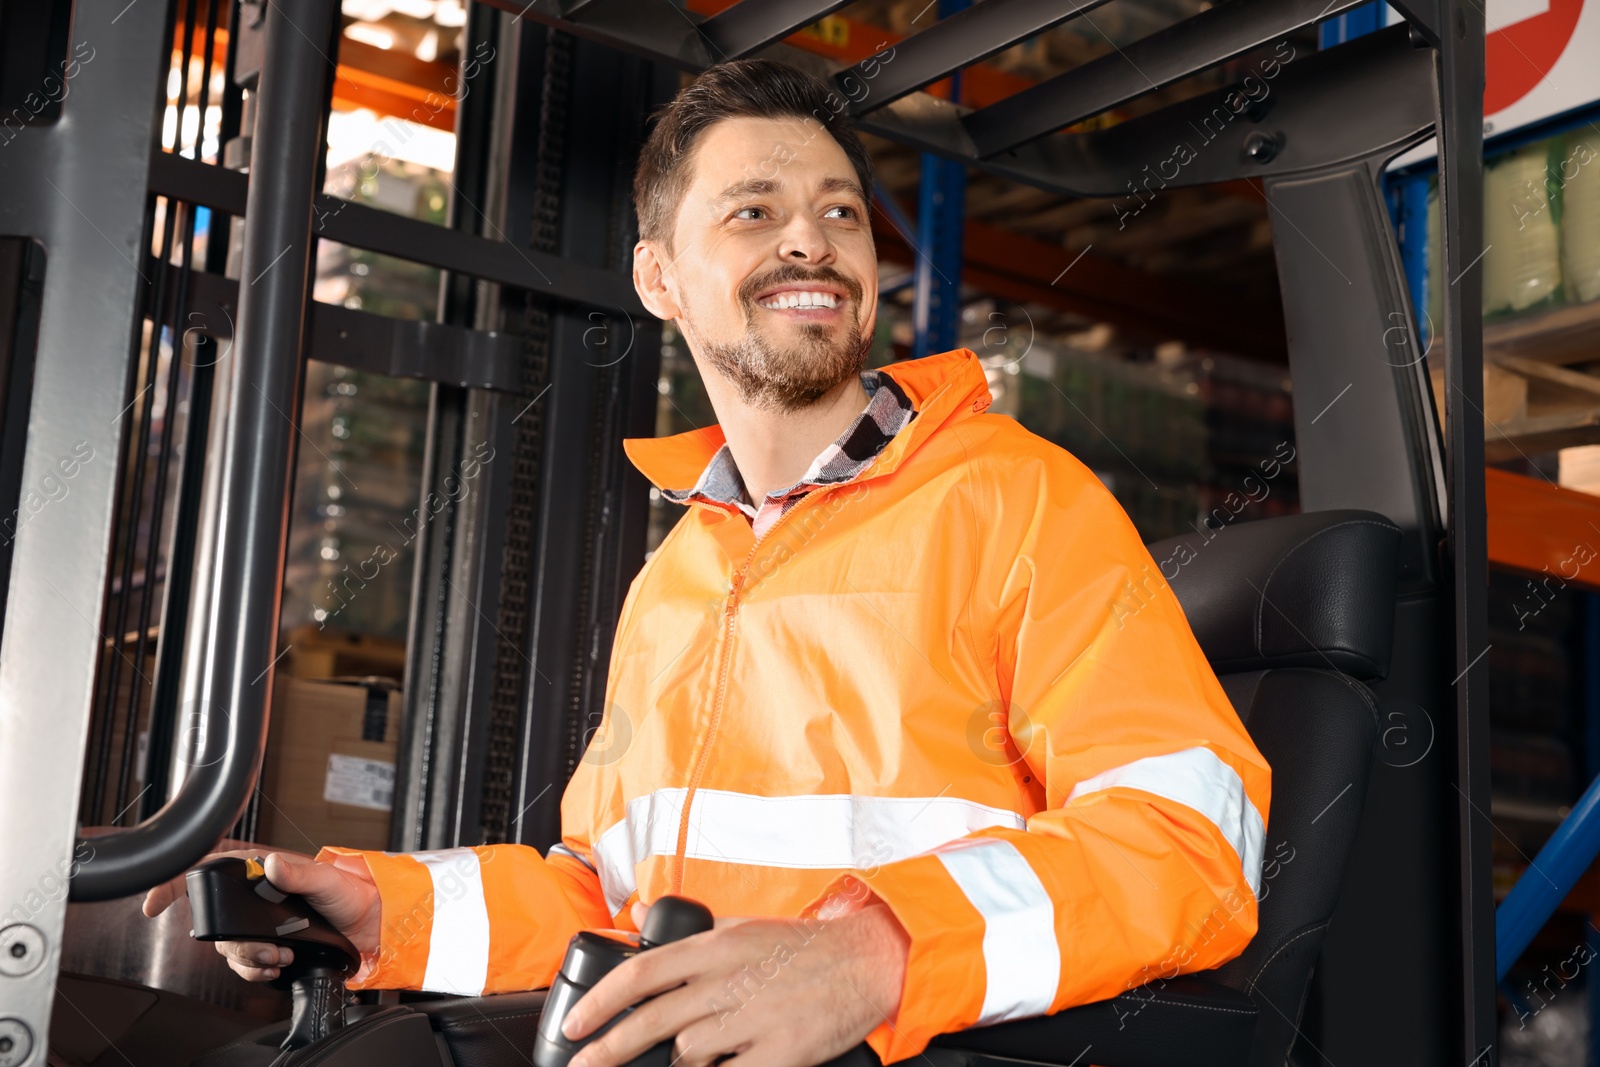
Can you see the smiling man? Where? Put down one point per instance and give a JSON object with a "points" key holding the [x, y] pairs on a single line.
{"points": [[879, 699]]}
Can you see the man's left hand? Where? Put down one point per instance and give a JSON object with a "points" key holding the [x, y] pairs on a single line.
{"points": [[770, 992]]}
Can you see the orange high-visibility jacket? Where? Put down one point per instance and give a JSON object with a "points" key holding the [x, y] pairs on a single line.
{"points": [[956, 682]]}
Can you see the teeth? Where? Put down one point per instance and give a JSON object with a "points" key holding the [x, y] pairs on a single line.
{"points": [[799, 299]]}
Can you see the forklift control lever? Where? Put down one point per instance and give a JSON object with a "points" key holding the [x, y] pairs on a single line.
{"points": [[591, 955], [232, 900]]}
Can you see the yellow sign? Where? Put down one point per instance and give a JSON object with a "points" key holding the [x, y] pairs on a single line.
{"points": [[831, 30]]}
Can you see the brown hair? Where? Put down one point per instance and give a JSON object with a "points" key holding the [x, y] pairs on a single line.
{"points": [[753, 88]]}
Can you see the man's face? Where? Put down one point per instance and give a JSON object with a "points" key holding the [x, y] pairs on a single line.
{"points": [[772, 275]]}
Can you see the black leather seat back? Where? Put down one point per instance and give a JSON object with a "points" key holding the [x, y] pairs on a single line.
{"points": [[1295, 613], [1317, 730], [1312, 590]]}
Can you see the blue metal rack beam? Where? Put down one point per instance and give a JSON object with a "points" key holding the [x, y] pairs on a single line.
{"points": [[1548, 880], [1354, 23], [941, 215]]}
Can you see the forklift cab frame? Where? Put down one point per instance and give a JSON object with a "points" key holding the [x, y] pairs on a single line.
{"points": [[1417, 906]]}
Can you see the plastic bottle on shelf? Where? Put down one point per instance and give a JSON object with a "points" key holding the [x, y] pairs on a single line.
{"points": [[1522, 214], [1580, 217]]}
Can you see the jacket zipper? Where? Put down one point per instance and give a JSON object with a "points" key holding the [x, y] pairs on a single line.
{"points": [[728, 612], [711, 731]]}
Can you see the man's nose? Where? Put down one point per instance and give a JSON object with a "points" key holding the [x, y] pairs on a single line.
{"points": [[804, 241]]}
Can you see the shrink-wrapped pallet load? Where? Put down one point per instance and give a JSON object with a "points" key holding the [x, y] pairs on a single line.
{"points": [[1580, 217], [1521, 259]]}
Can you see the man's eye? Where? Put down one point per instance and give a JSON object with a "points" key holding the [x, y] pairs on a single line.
{"points": [[743, 213], [849, 212]]}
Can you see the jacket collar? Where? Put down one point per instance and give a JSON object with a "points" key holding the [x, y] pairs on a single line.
{"points": [[944, 388]]}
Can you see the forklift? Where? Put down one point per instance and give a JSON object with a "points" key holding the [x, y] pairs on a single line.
{"points": [[1378, 947]]}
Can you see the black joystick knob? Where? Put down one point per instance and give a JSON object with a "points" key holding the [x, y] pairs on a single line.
{"points": [[673, 919], [231, 900], [593, 954]]}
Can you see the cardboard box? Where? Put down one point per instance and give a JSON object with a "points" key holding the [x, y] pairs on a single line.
{"points": [[315, 652], [329, 773], [1505, 394]]}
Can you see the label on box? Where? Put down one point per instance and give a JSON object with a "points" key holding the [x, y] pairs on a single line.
{"points": [[362, 783]]}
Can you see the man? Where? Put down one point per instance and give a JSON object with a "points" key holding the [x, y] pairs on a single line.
{"points": [[900, 698]]}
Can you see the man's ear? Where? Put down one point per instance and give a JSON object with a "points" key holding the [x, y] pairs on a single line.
{"points": [[649, 280]]}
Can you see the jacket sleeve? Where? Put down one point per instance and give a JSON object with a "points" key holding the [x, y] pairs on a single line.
{"points": [[1144, 859], [490, 919]]}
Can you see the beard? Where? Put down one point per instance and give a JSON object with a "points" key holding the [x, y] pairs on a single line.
{"points": [[787, 377]]}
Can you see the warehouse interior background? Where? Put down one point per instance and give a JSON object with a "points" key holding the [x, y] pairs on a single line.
{"points": [[1143, 333]]}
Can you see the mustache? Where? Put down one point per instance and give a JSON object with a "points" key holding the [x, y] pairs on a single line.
{"points": [[790, 274]]}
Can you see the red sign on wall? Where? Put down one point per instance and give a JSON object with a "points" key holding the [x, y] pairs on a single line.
{"points": [[1523, 46], [1541, 58]]}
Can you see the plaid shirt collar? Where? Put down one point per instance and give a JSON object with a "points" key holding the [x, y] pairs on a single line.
{"points": [[888, 411]]}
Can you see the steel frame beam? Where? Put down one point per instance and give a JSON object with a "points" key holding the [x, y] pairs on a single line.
{"points": [[377, 344], [1099, 163], [1460, 73], [659, 31], [376, 230], [583, 538], [592, 510], [449, 669], [22, 262], [258, 461], [1425, 16], [75, 187], [1230, 29], [1381, 77], [955, 41], [747, 27]]}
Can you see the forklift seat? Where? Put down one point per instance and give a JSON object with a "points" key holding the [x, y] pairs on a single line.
{"points": [[1295, 614]]}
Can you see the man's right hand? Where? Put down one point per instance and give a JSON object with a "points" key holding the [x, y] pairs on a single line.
{"points": [[345, 898]]}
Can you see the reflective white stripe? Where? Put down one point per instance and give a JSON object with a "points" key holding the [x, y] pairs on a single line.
{"points": [[1197, 779], [559, 849], [1021, 956], [650, 828], [458, 949], [838, 831]]}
